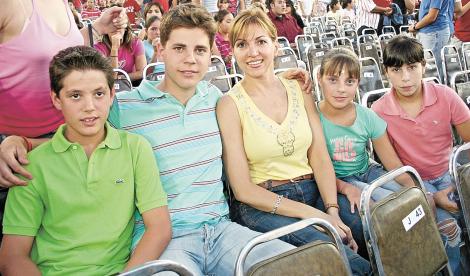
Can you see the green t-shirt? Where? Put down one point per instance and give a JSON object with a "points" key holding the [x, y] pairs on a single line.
{"points": [[80, 211], [347, 145]]}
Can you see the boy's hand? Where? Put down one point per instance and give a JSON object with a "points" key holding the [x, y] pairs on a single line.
{"points": [[13, 156], [302, 76], [442, 199]]}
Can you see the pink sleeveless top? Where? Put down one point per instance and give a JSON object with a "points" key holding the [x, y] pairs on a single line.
{"points": [[25, 105]]}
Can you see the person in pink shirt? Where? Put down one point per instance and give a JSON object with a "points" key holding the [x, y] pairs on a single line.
{"points": [[130, 54], [224, 23], [419, 117]]}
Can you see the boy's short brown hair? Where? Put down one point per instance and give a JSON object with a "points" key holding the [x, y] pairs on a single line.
{"points": [[78, 58], [187, 16]]}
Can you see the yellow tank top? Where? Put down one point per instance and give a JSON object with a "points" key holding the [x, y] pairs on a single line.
{"points": [[275, 151]]}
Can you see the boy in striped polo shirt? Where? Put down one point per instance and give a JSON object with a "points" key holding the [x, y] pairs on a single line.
{"points": [[177, 116]]}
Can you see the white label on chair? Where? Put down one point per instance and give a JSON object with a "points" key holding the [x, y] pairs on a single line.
{"points": [[368, 47], [319, 54], [453, 60], [413, 218], [285, 59], [116, 86], [160, 77], [368, 75], [212, 69]]}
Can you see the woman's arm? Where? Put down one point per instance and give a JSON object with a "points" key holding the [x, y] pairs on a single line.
{"points": [[140, 63], [236, 167], [389, 159], [111, 20]]}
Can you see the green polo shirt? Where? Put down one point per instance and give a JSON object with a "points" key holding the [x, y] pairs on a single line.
{"points": [[80, 210]]}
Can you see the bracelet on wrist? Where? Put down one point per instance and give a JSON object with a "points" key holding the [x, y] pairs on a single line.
{"points": [[331, 205], [277, 203], [29, 145]]}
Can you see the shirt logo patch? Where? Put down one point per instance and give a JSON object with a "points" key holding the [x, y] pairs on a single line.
{"points": [[435, 122], [119, 181]]}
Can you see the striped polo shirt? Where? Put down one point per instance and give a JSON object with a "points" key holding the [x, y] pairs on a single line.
{"points": [[187, 145], [365, 16]]}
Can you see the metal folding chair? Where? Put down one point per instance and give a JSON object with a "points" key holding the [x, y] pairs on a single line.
{"points": [[371, 78], [122, 81], [283, 42], [315, 258], [152, 73], [450, 62], [302, 42], [466, 55], [431, 66], [370, 97], [400, 230], [154, 267], [460, 82]]}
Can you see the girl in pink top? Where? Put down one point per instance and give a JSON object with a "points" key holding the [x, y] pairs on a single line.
{"points": [[131, 54], [224, 20]]}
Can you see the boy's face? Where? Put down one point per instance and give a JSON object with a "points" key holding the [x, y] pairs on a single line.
{"points": [[85, 100], [406, 79], [223, 5], [186, 55]]}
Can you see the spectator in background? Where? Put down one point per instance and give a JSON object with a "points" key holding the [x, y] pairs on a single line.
{"points": [[152, 28], [306, 7], [370, 15], [286, 25], [223, 4], [90, 12], [150, 10], [210, 5], [236, 5], [132, 10], [224, 19], [348, 10], [334, 10], [433, 27], [163, 3], [406, 7], [293, 12], [130, 53], [462, 25]]}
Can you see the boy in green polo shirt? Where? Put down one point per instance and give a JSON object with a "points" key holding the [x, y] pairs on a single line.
{"points": [[76, 215]]}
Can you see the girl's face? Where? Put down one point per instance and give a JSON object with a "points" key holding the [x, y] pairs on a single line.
{"points": [[153, 11], [255, 52], [337, 7], [153, 30], [223, 5], [226, 24], [338, 91]]}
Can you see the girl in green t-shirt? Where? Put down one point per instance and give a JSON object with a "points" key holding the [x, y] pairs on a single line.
{"points": [[348, 127]]}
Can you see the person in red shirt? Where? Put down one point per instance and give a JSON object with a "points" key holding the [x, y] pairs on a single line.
{"points": [[91, 11], [133, 9], [286, 25], [462, 25]]}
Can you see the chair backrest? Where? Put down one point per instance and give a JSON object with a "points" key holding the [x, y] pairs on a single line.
{"points": [[450, 62], [431, 66], [371, 79], [235, 68], [154, 71], [327, 38], [368, 31], [370, 97], [153, 267], [459, 168], [404, 29], [286, 59], [283, 41], [384, 39], [432, 79], [400, 230], [466, 55], [342, 42], [122, 81], [369, 46], [316, 258], [217, 69], [302, 42], [460, 82], [315, 56]]}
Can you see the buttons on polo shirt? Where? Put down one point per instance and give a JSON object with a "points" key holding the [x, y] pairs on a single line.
{"points": [[74, 147]]}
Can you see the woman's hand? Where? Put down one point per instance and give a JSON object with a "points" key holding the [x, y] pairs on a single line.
{"points": [[111, 20], [343, 230], [13, 156], [300, 75], [352, 193]]}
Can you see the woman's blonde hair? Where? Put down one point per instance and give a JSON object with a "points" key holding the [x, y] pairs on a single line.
{"points": [[247, 18]]}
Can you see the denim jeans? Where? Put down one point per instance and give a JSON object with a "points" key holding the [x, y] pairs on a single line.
{"points": [[452, 247], [435, 41], [213, 249], [374, 171], [307, 192]]}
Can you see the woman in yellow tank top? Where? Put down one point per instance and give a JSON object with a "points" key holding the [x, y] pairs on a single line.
{"points": [[274, 150]]}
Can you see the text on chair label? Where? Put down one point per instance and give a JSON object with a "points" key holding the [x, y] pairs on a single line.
{"points": [[413, 218]]}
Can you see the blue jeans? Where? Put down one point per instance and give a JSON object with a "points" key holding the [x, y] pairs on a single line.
{"points": [[435, 41], [374, 171], [307, 192], [213, 249], [451, 246]]}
